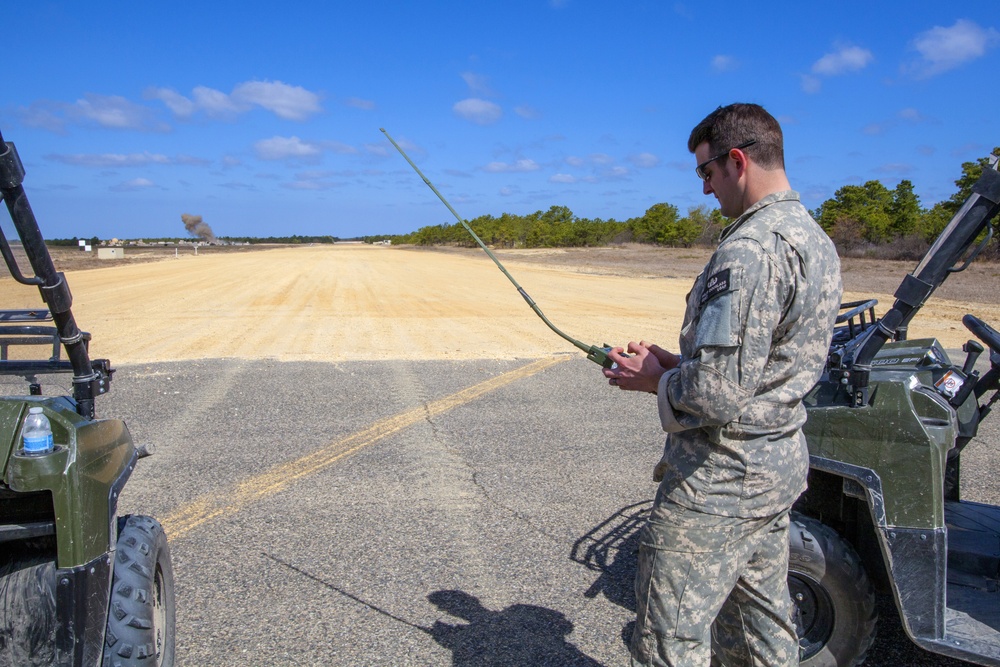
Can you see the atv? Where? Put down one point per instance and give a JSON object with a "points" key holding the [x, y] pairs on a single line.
{"points": [[79, 585], [887, 424]]}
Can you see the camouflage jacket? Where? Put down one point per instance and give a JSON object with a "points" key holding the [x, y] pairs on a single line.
{"points": [[755, 338]]}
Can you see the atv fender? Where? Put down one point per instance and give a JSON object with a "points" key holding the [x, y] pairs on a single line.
{"points": [[914, 558]]}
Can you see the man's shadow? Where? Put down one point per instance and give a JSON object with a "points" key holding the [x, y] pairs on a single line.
{"points": [[611, 548], [521, 634]]}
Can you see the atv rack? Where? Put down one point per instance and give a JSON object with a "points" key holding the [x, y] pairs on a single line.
{"points": [[90, 378]]}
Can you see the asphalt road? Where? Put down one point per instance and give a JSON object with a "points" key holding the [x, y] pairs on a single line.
{"points": [[408, 513]]}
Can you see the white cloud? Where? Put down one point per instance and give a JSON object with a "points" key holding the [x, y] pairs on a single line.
{"points": [[239, 185], [942, 49], [179, 105], [42, 115], [845, 59], [192, 160], [306, 185], [478, 84], [281, 99], [520, 166], [562, 178], [106, 111], [214, 102], [285, 148], [338, 147], [479, 111], [133, 185], [315, 175], [110, 160], [644, 160], [112, 111], [722, 63], [575, 161], [378, 149], [315, 180]]}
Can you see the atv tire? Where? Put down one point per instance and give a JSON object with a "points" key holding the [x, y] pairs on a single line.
{"points": [[834, 600], [27, 611], [140, 630]]}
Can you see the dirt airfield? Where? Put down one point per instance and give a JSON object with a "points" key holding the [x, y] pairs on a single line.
{"points": [[432, 494], [362, 302]]}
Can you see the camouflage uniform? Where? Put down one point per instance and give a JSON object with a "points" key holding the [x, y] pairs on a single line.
{"points": [[755, 337]]}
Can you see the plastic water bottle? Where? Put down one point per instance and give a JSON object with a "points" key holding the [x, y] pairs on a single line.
{"points": [[37, 433]]}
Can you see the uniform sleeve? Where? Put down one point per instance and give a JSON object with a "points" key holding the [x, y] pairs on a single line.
{"points": [[740, 306]]}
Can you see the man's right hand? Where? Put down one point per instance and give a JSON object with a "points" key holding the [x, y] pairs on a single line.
{"points": [[642, 370], [668, 360]]}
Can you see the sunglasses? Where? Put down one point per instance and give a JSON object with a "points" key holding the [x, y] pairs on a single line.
{"points": [[700, 169]]}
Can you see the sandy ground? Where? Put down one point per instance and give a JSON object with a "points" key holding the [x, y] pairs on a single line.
{"points": [[359, 302]]}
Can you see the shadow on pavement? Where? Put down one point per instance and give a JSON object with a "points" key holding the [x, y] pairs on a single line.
{"points": [[611, 549], [521, 634]]}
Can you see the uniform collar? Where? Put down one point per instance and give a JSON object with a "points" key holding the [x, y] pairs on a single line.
{"points": [[774, 197]]}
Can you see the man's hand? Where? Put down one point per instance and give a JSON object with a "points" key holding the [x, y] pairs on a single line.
{"points": [[668, 360], [641, 371]]}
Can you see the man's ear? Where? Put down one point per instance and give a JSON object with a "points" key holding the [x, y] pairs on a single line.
{"points": [[739, 160]]}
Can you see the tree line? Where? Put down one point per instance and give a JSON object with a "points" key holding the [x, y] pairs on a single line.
{"points": [[867, 219]]}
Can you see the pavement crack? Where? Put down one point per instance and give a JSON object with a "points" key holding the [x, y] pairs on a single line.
{"points": [[513, 512], [442, 437]]}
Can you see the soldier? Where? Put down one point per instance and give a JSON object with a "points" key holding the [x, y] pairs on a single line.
{"points": [[713, 556]]}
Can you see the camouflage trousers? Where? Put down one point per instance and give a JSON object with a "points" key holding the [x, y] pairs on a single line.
{"points": [[713, 590]]}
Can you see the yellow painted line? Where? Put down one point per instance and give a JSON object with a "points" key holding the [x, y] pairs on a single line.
{"points": [[258, 487]]}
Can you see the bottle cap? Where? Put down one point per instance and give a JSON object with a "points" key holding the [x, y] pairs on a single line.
{"points": [[35, 411]]}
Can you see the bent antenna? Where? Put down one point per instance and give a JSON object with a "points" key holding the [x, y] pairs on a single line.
{"points": [[596, 354]]}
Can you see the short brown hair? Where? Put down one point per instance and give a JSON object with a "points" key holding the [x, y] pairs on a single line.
{"points": [[738, 123]]}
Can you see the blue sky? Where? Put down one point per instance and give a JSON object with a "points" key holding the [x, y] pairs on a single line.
{"points": [[263, 118]]}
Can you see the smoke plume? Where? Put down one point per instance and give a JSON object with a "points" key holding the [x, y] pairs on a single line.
{"points": [[195, 227]]}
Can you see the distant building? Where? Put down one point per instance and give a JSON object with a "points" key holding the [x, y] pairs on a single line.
{"points": [[110, 253]]}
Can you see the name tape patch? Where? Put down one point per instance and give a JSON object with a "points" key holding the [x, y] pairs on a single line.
{"points": [[717, 283]]}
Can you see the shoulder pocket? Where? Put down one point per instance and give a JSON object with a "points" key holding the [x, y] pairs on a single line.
{"points": [[719, 315]]}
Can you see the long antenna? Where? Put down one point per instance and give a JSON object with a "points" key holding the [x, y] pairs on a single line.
{"points": [[594, 353]]}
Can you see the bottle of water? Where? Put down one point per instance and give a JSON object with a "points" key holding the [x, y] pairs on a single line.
{"points": [[37, 433]]}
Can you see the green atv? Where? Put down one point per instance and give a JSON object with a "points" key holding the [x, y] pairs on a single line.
{"points": [[887, 424], [79, 585]]}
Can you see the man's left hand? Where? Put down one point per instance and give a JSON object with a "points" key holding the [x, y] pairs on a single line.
{"points": [[639, 372]]}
